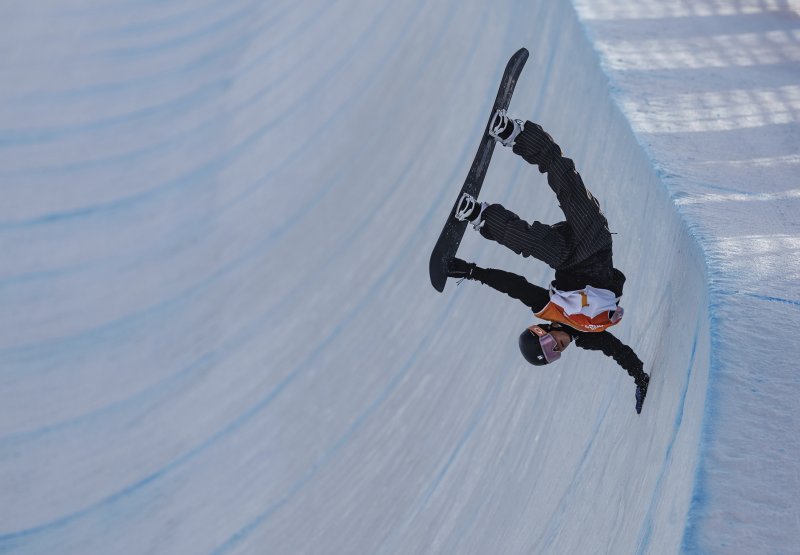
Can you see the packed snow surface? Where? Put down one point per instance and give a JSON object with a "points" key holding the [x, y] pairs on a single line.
{"points": [[217, 333]]}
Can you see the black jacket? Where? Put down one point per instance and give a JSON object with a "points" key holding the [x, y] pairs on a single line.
{"points": [[536, 298]]}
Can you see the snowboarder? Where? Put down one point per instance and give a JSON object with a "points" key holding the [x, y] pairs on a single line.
{"points": [[583, 299]]}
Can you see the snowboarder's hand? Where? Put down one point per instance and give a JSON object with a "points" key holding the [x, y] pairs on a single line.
{"points": [[642, 383], [460, 269]]}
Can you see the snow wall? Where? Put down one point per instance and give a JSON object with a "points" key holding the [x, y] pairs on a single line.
{"points": [[217, 331]]}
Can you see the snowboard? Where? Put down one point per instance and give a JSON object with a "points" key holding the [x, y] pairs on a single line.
{"points": [[453, 231]]}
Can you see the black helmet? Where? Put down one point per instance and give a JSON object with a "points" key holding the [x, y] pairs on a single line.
{"points": [[538, 346]]}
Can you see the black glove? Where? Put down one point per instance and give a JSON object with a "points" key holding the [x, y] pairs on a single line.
{"points": [[458, 268], [642, 381]]}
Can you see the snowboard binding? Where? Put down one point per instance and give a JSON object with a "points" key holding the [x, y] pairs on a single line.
{"points": [[469, 210], [505, 129]]}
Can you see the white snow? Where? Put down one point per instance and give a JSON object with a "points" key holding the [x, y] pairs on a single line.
{"points": [[217, 333]]}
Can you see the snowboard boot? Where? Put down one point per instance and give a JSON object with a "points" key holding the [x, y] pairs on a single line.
{"points": [[642, 383], [460, 269], [505, 129], [469, 210]]}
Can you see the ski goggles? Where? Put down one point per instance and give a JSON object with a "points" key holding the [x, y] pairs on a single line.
{"points": [[548, 344]]}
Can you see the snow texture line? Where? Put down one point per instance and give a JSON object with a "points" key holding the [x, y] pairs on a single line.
{"points": [[10, 538]]}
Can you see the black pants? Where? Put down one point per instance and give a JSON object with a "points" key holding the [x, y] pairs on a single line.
{"points": [[582, 243]]}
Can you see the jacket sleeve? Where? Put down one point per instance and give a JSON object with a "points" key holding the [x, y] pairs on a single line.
{"points": [[513, 285], [611, 347]]}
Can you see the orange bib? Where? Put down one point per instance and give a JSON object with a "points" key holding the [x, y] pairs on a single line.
{"points": [[590, 309]]}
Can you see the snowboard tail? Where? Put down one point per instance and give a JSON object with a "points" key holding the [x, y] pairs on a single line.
{"points": [[453, 231]]}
